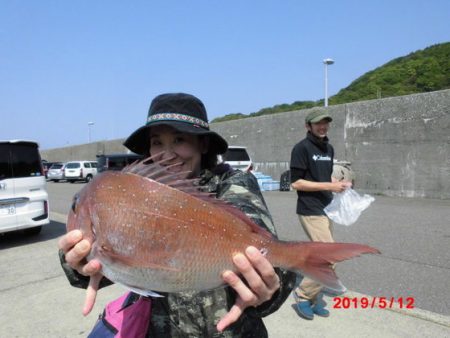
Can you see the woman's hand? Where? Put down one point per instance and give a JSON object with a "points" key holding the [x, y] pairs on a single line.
{"points": [[75, 250], [262, 282]]}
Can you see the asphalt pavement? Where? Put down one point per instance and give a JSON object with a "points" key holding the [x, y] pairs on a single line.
{"points": [[412, 234]]}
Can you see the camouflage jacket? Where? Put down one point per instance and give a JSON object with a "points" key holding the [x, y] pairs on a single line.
{"points": [[195, 314]]}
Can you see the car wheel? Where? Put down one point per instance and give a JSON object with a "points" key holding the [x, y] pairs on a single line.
{"points": [[56, 181], [88, 178], [71, 181], [33, 231]]}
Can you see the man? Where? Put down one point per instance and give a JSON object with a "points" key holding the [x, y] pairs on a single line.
{"points": [[311, 168]]}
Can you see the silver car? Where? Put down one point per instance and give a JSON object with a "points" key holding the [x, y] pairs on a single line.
{"points": [[56, 172]]}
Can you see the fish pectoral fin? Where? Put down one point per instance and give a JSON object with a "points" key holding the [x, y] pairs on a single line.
{"points": [[109, 254], [152, 265], [134, 262]]}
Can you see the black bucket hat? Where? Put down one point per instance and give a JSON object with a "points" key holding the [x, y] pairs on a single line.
{"points": [[183, 112]]}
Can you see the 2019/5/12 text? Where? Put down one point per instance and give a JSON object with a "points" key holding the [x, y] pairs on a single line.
{"points": [[373, 302]]}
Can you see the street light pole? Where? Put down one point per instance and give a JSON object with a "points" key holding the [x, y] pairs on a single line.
{"points": [[327, 62], [89, 127]]}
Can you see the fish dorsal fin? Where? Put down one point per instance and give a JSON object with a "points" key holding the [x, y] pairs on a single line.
{"points": [[157, 171]]}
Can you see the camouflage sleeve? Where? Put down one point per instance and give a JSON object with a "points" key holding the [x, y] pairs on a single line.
{"points": [[242, 190]]}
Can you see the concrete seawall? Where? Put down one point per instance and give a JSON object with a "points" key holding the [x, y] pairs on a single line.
{"points": [[398, 146]]}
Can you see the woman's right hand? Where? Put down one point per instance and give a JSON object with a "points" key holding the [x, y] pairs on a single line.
{"points": [[75, 250]]}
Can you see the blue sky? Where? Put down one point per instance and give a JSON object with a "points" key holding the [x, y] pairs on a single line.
{"points": [[66, 63]]}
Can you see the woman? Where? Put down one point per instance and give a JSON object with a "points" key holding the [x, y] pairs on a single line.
{"points": [[177, 131]]}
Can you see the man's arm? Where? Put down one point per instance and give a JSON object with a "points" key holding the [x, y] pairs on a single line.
{"points": [[305, 185]]}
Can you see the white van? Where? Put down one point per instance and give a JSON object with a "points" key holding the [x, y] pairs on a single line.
{"points": [[23, 198], [80, 171]]}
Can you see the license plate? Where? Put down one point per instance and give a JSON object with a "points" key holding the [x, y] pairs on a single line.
{"points": [[7, 209]]}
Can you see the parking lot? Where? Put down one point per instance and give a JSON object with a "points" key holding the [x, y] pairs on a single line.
{"points": [[412, 234]]}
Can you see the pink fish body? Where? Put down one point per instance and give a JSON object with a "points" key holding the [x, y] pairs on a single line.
{"points": [[152, 236]]}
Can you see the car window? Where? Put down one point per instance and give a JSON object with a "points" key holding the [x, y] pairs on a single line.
{"points": [[73, 165], [19, 160], [56, 166], [236, 155], [5, 165], [86, 165], [94, 164], [116, 161]]}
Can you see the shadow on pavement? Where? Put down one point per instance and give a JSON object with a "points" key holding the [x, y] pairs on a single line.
{"points": [[17, 238]]}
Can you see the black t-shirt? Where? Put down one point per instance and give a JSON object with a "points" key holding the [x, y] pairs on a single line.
{"points": [[312, 160]]}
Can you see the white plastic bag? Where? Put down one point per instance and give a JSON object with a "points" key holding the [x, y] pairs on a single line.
{"points": [[346, 206]]}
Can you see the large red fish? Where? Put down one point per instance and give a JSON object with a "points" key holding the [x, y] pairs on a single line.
{"points": [[153, 231]]}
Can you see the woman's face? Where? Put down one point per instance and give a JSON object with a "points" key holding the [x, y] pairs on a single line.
{"points": [[182, 148]]}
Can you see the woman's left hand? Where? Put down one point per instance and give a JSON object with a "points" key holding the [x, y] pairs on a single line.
{"points": [[262, 283]]}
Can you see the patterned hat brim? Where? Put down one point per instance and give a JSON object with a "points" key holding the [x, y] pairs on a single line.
{"points": [[139, 141]]}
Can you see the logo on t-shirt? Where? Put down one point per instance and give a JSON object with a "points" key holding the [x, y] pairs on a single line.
{"points": [[321, 158]]}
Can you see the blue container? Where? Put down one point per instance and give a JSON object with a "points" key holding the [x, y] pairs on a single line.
{"points": [[270, 185]]}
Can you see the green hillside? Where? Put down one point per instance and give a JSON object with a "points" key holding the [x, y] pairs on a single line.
{"points": [[422, 71]]}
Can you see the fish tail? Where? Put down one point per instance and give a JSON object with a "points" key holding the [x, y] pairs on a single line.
{"points": [[316, 259]]}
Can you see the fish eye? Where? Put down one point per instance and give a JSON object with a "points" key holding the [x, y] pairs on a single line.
{"points": [[75, 200]]}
